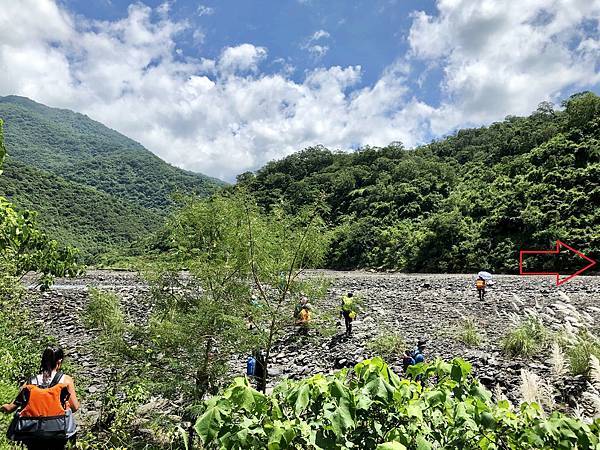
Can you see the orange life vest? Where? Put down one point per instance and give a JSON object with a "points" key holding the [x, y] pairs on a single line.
{"points": [[45, 414], [44, 402], [304, 316]]}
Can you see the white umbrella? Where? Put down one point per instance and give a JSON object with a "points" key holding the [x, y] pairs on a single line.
{"points": [[485, 275]]}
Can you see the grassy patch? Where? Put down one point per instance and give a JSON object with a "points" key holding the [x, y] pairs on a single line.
{"points": [[387, 345], [527, 339], [579, 353], [104, 312], [468, 333]]}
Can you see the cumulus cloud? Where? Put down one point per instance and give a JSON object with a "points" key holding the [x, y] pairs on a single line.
{"points": [[224, 115], [319, 34], [500, 60], [245, 57]]}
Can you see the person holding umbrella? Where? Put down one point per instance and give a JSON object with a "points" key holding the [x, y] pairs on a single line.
{"points": [[482, 280]]}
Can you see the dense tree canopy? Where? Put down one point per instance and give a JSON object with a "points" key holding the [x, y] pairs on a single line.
{"points": [[466, 202]]}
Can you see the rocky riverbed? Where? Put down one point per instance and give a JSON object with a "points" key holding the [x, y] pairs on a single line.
{"points": [[415, 305]]}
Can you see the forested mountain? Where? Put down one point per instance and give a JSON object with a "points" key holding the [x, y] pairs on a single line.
{"points": [[79, 149], [467, 202], [76, 214], [95, 188]]}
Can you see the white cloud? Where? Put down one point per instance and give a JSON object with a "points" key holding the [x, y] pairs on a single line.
{"points": [[224, 116], [245, 57], [204, 10], [499, 60], [320, 34], [198, 36], [316, 50]]}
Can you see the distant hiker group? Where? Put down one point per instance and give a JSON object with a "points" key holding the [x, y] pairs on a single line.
{"points": [[303, 313], [303, 316]]}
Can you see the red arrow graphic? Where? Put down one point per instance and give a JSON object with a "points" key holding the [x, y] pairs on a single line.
{"points": [[559, 244]]}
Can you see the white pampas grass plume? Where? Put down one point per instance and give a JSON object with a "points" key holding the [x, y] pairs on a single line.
{"points": [[498, 394], [530, 386], [579, 413], [559, 365], [517, 300], [593, 399], [564, 296], [589, 320], [534, 390], [595, 371]]}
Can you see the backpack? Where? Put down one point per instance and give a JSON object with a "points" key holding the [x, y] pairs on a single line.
{"points": [[480, 284], [304, 316], [251, 366], [44, 415]]}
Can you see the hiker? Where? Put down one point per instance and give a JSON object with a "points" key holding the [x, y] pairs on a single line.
{"points": [[348, 311], [480, 285], [44, 407], [419, 351], [407, 360], [304, 319], [303, 301], [260, 370], [256, 369]]}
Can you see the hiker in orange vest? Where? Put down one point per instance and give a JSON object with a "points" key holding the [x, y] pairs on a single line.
{"points": [[304, 319], [480, 285], [44, 407]]}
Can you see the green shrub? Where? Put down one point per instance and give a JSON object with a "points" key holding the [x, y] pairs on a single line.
{"points": [[371, 408], [579, 352], [104, 312], [468, 333], [527, 339], [387, 345]]}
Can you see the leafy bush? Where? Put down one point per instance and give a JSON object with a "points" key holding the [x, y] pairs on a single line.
{"points": [[527, 339], [387, 345], [370, 407], [579, 352], [468, 333], [104, 312]]}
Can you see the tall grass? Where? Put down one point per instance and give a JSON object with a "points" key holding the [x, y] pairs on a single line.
{"points": [[104, 312], [468, 333], [388, 345], [527, 339], [579, 352]]}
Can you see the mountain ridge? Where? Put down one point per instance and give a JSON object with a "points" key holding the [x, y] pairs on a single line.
{"points": [[80, 149], [94, 188]]}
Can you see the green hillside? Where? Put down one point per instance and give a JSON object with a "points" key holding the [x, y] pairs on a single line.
{"points": [[75, 214], [93, 187], [467, 202], [79, 149]]}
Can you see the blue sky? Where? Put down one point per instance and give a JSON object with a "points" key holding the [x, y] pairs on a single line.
{"points": [[370, 33], [222, 87]]}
